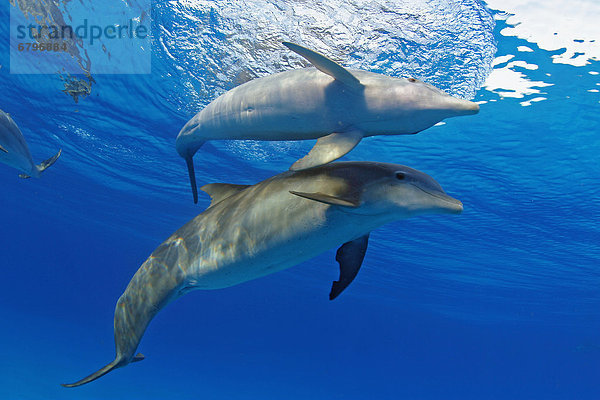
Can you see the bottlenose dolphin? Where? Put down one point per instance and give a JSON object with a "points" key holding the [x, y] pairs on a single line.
{"points": [[252, 231], [335, 105], [15, 152]]}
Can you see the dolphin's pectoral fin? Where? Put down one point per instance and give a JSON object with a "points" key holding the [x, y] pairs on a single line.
{"points": [[328, 199], [24, 176], [3, 149], [138, 357], [329, 148], [45, 164], [221, 191], [350, 256], [325, 65], [192, 174]]}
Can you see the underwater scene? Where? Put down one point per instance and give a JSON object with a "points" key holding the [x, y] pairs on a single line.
{"points": [[260, 199]]}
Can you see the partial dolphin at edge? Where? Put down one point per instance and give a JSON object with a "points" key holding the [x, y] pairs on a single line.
{"points": [[15, 152]]}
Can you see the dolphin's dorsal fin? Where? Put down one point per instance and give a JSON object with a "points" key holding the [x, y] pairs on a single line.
{"points": [[325, 65], [350, 256], [329, 148], [328, 199], [221, 191], [3, 149]]}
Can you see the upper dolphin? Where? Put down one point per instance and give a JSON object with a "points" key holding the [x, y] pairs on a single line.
{"points": [[335, 105], [15, 152], [252, 231]]}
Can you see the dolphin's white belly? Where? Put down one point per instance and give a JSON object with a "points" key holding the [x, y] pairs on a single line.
{"points": [[297, 105]]}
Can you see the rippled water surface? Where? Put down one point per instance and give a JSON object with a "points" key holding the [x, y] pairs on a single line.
{"points": [[500, 302]]}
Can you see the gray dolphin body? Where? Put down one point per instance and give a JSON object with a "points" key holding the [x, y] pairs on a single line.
{"points": [[335, 105], [252, 231], [15, 152]]}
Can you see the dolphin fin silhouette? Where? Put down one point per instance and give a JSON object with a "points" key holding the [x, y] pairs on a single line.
{"points": [[190, 166], [350, 257]]}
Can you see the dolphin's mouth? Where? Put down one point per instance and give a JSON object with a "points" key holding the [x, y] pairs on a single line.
{"points": [[454, 204]]}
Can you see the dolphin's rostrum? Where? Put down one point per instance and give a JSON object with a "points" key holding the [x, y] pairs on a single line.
{"points": [[252, 231], [335, 105]]}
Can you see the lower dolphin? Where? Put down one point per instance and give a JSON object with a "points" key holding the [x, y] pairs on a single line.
{"points": [[252, 231], [15, 152]]}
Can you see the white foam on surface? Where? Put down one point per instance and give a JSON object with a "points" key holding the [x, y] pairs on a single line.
{"points": [[555, 25]]}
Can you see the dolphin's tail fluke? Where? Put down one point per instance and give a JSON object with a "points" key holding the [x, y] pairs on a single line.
{"points": [[190, 166], [103, 371], [43, 165], [158, 281], [187, 144]]}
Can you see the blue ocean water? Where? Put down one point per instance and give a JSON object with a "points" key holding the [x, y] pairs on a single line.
{"points": [[500, 302]]}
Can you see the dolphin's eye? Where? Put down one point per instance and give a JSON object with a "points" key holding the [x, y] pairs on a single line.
{"points": [[400, 175], [413, 80]]}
